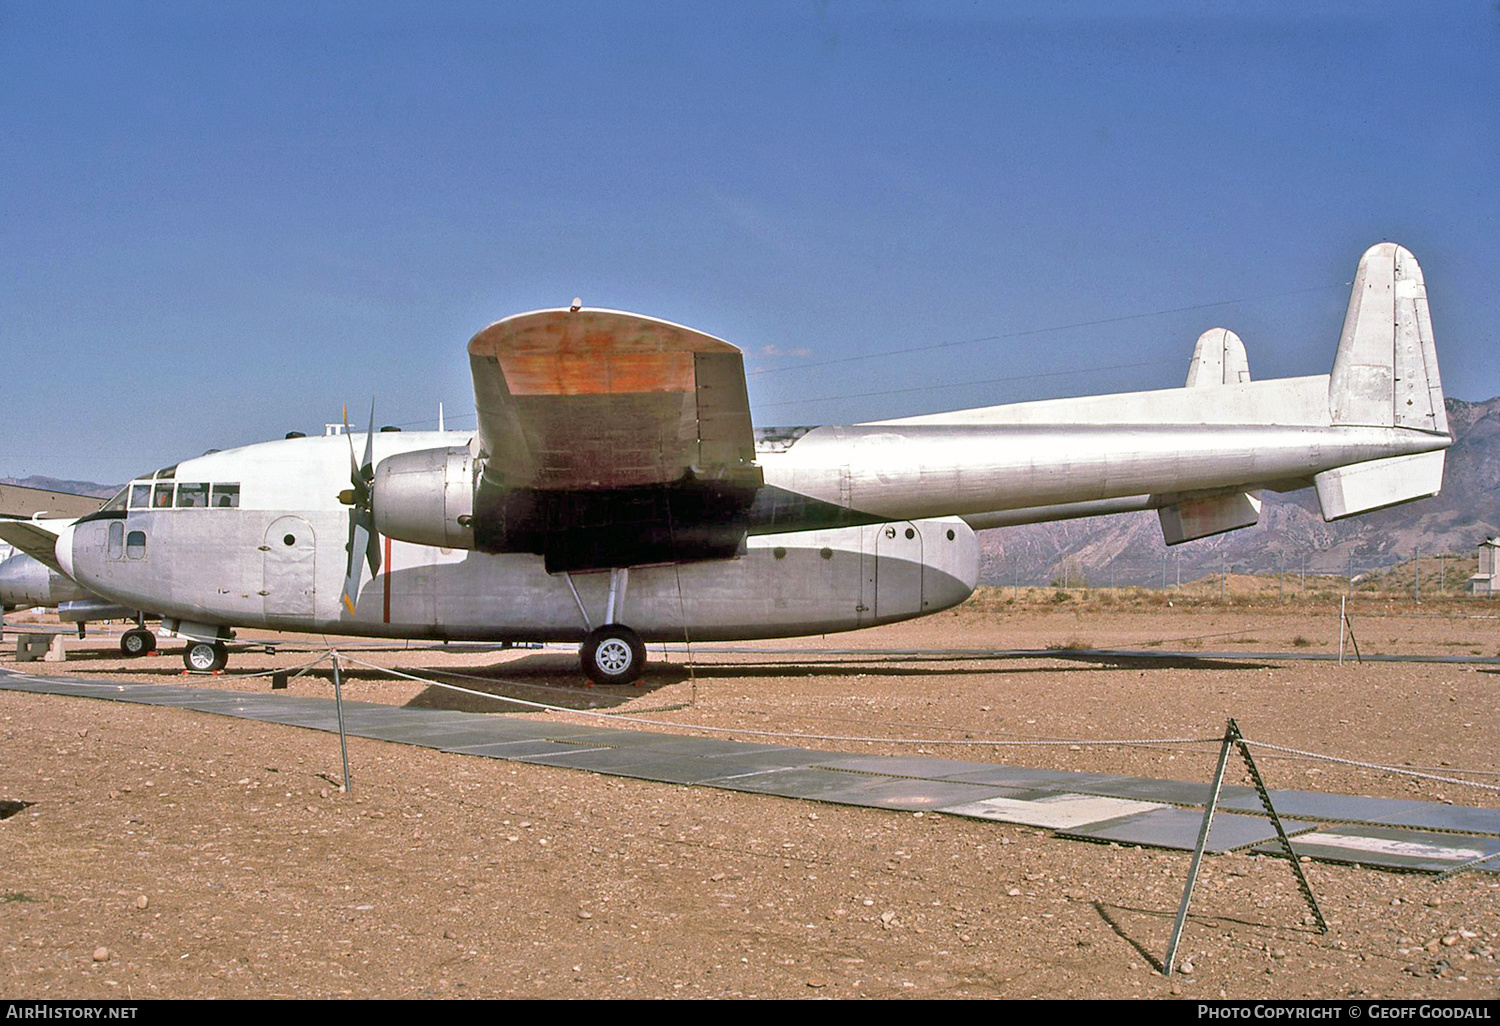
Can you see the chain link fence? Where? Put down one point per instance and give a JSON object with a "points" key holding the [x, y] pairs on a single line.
{"points": [[1421, 575]]}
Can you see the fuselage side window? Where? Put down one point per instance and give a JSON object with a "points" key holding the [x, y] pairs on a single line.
{"points": [[191, 495], [135, 545], [140, 496], [161, 498], [116, 539], [226, 496]]}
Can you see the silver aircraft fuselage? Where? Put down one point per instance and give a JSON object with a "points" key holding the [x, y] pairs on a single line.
{"points": [[276, 559]]}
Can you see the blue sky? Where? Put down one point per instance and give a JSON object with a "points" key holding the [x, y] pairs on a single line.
{"points": [[221, 221]]}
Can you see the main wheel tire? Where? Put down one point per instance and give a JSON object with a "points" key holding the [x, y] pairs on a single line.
{"points": [[205, 656], [613, 654], [137, 642]]}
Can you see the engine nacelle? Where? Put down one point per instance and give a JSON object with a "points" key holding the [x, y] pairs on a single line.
{"points": [[426, 497], [25, 582]]}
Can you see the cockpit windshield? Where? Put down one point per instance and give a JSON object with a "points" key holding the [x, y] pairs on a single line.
{"points": [[166, 493]]}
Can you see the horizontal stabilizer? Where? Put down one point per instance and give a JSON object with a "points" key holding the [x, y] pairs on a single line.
{"points": [[1362, 487], [1191, 518]]}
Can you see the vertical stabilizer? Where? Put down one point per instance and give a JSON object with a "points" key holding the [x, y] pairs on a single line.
{"points": [[1218, 359], [1386, 372], [1385, 375]]}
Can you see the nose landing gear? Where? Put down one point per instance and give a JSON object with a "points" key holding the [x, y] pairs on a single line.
{"points": [[137, 642]]}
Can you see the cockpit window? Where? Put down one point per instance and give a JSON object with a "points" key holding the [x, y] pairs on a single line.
{"points": [[118, 502], [191, 495], [158, 494], [167, 473]]}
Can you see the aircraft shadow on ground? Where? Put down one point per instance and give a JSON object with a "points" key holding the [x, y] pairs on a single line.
{"points": [[546, 678], [553, 678]]}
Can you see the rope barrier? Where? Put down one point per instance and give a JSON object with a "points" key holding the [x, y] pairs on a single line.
{"points": [[1372, 766]]}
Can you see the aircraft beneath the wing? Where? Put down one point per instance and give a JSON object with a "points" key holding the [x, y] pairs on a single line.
{"points": [[615, 492]]}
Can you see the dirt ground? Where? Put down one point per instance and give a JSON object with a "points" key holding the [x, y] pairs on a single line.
{"points": [[177, 854]]}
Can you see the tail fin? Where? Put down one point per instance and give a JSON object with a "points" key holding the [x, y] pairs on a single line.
{"points": [[1386, 370], [1218, 359], [1385, 375]]}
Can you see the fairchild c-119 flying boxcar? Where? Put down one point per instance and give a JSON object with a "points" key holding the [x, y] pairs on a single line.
{"points": [[615, 492]]}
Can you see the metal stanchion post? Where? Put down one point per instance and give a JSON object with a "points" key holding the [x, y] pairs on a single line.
{"points": [[338, 701]]}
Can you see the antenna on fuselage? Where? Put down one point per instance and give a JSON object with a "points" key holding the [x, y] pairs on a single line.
{"points": [[440, 416]]}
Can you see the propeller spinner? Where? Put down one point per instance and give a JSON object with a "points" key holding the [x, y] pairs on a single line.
{"points": [[359, 498]]}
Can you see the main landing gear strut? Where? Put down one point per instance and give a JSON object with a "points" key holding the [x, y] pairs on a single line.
{"points": [[613, 653]]}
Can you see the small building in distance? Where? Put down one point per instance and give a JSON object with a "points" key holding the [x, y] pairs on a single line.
{"points": [[1484, 582]]}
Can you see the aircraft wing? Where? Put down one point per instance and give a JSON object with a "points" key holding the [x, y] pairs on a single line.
{"points": [[610, 439], [36, 540], [595, 400], [21, 501]]}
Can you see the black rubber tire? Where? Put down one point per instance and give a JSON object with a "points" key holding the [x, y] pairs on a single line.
{"points": [[205, 656], [613, 654], [137, 642]]}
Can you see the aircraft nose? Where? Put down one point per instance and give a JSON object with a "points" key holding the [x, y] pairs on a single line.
{"points": [[64, 549]]}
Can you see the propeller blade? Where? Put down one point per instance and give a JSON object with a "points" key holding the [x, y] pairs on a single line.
{"points": [[367, 469], [362, 536], [354, 477], [372, 546], [359, 538]]}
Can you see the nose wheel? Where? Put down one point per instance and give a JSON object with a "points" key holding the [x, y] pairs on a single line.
{"points": [[613, 654], [205, 656], [137, 642]]}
